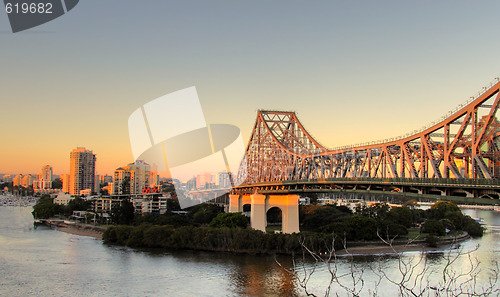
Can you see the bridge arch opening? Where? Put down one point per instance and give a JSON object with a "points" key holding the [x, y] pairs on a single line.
{"points": [[274, 219], [247, 209]]}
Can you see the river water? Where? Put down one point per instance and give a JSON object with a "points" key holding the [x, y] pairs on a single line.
{"points": [[46, 262]]}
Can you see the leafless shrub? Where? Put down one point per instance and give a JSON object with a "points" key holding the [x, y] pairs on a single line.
{"points": [[415, 276]]}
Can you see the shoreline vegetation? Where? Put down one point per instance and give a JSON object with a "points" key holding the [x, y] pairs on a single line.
{"points": [[353, 248], [248, 241], [206, 227]]}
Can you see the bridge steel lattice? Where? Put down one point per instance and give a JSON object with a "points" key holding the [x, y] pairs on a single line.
{"points": [[457, 154], [461, 145]]}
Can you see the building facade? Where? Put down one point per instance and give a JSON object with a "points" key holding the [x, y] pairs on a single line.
{"points": [[44, 179], [45, 173], [17, 180], [82, 170], [65, 182], [27, 180], [133, 178]]}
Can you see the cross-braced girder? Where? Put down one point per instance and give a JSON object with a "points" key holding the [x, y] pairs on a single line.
{"points": [[463, 144]]}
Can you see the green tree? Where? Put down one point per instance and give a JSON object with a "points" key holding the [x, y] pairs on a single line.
{"points": [[434, 227], [77, 204], [123, 214], [57, 184], [472, 227], [173, 204], [362, 228], [229, 220], [447, 210], [315, 217], [378, 211], [45, 208], [439, 209], [204, 213], [401, 215]]}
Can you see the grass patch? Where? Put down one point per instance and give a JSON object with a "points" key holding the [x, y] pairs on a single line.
{"points": [[414, 233], [271, 229]]}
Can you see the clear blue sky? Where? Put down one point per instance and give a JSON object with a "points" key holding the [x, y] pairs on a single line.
{"points": [[353, 70]]}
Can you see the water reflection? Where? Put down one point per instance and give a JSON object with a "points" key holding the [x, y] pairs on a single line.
{"points": [[254, 279], [45, 262]]}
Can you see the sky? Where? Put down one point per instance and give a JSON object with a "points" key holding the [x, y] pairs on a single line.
{"points": [[354, 71]]}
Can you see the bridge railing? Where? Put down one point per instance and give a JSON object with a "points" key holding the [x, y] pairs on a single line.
{"points": [[409, 181], [423, 128]]}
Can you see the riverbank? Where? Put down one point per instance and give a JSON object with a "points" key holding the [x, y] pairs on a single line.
{"points": [[248, 241], [362, 248], [75, 228], [400, 246]]}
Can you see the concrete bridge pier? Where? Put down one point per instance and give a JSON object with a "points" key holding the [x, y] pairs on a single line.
{"points": [[260, 204]]}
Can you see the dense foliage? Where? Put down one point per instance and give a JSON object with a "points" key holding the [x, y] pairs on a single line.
{"points": [[446, 215], [207, 227], [363, 224], [45, 208], [198, 215], [57, 184], [229, 220], [124, 213], [214, 239], [366, 221]]}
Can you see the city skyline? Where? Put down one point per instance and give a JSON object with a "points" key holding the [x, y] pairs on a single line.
{"points": [[353, 73]]}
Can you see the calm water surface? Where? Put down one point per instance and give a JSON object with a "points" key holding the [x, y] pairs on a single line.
{"points": [[45, 262]]}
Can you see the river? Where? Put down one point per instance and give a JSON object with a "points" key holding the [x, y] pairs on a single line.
{"points": [[46, 262]]}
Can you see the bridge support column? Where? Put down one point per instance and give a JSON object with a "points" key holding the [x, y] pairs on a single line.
{"points": [[235, 203], [290, 220], [258, 218], [289, 205]]}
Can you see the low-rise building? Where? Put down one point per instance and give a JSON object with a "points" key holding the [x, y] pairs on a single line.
{"points": [[143, 203], [105, 204], [151, 203], [63, 199]]}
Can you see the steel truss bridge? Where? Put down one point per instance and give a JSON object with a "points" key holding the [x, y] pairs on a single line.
{"points": [[457, 155]]}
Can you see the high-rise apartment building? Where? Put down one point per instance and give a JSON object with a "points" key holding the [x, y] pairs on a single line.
{"points": [[27, 180], [44, 181], [81, 170], [45, 173], [18, 180], [139, 176], [65, 182]]}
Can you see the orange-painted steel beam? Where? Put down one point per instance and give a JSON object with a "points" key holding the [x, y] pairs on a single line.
{"points": [[463, 144]]}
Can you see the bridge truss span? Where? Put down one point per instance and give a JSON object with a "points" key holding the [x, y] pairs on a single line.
{"points": [[462, 145]]}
